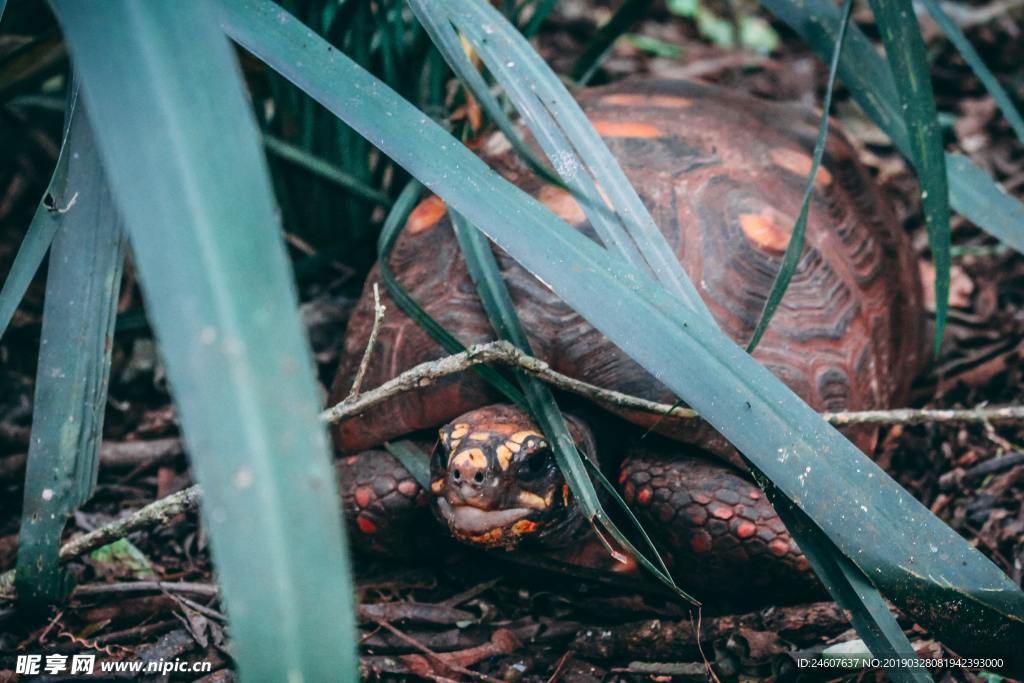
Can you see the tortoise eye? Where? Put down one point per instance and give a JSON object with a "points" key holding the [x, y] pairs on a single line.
{"points": [[536, 465]]}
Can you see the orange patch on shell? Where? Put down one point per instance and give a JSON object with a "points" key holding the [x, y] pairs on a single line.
{"points": [[626, 129], [562, 204], [426, 214], [800, 164], [722, 512], [765, 231], [637, 100]]}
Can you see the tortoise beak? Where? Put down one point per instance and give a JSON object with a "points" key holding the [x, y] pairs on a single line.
{"points": [[474, 520]]}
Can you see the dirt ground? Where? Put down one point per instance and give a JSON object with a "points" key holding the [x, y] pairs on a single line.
{"points": [[502, 620]]}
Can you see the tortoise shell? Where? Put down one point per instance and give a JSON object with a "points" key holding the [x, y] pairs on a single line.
{"points": [[723, 175]]}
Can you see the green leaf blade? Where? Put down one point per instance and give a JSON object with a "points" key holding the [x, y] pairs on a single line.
{"points": [[905, 50], [190, 180], [795, 247], [873, 521], [977, 64], [972, 192], [74, 361]]}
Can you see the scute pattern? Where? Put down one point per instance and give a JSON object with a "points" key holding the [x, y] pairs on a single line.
{"points": [[847, 335], [715, 524], [386, 509]]}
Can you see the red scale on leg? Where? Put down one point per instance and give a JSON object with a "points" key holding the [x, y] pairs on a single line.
{"points": [[366, 525], [722, 531], [363, 497], [700, 542]]}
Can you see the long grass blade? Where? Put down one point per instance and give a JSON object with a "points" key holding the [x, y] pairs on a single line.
{"points": [[905, 50], [189, 178], [851, 590], [540, 12], [977, 64], [985, 203], [795, 247], [579, 154], [918, 562], [324, 169], [44, 226], [74, 364], [971, 191], [388, 235]]}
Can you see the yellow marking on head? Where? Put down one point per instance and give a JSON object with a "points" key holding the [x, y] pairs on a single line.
{"points": [[479, 436], [504, 454], [800, 164], [512, 446], [626, 129], [532, 500], [459, 430], [524, 526], [454, 445], [437, 485], [473, 457], [520, 437]]}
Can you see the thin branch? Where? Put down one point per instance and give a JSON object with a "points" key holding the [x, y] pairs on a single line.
{"points": [[156, 513], [424, 374], [378, 318], [504, 353]]}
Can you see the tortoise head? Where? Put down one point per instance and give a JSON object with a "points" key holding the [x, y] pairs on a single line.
{"points": [[494, 480]]}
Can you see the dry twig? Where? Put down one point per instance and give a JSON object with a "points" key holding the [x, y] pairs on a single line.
{"points": [[378, 318], [504, 353], [161, 511]]}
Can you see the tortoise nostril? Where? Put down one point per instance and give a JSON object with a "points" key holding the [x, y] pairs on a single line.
{"points": [[478, 477], [456, 475]]}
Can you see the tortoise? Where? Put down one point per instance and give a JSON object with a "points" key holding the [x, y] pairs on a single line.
{"points": [[723, 176]]}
